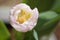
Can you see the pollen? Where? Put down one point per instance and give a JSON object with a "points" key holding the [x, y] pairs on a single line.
{"points": [[23, 16]]}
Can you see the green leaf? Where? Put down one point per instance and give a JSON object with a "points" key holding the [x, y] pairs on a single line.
{"points": [[35, 35], [47, 22], [4, 34], [42, 5], [48, 15]]}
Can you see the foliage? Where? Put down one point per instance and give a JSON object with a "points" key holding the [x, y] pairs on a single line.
{"points": [[4, 34]]}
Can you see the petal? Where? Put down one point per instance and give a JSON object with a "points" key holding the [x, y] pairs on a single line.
{"points": [[12, 19], [35, 13], [20, 28], [20, 6], [31, 25], [34, 18]]}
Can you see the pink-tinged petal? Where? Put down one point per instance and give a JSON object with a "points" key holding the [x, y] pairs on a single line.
{"points": [[12, 19], [21, 28], [35, 13], [20, 6], [33, 21]]}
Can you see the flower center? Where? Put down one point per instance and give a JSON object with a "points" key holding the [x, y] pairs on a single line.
{"points": [[23, 16]]}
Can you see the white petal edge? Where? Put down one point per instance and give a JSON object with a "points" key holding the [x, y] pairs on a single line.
{"points": [[36, 13], [20, 6], [34, 18], [20, 28]]}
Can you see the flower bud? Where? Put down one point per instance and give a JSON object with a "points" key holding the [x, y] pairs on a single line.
{"points": [[23, 18]]}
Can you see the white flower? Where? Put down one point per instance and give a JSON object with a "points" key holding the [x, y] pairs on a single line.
{"points": [[23, 18]]}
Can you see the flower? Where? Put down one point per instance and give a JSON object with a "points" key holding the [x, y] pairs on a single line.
{"points": [[23, 18]]}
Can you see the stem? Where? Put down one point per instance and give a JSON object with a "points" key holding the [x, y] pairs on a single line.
{"points": [[12, 34], [11, 31]]}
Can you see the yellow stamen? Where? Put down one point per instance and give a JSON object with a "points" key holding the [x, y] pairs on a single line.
{"points": [[23, 16]]}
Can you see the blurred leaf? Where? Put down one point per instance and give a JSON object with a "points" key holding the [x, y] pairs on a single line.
{"points": [[35, 35], [56, 6], [47, 22], [4, 34], [42, 5], [48, 15]]}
